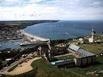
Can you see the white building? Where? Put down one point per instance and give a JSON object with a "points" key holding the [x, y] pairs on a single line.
{"points": [[91, 39]]}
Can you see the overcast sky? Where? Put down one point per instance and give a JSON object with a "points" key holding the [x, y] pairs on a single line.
{"points": [[51, 9]]}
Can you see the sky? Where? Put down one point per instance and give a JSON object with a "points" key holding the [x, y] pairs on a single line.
{"points": [[51, 10]]}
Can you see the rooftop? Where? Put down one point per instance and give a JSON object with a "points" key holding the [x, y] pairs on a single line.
{"points": [[82, 52], [74, 47]]}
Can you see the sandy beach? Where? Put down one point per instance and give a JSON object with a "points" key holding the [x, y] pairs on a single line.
{"points": [[24, 67], [35, 38]]}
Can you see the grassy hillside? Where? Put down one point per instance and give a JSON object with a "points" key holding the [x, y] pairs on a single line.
{"points": [[95, 48], [23, 23], [43, 69]]}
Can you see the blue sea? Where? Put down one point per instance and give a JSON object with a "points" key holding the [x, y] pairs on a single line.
{"points": [[65, 29], [58, 30]]}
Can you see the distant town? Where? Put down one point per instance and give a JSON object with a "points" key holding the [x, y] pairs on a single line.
{"points": [[42, 57]]}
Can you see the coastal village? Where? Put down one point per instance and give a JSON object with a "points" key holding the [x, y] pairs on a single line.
{"points": [[65, 54], [51, 38]]}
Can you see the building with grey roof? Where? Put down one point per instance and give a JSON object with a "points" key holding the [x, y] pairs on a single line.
{"points": [[84, 58]]}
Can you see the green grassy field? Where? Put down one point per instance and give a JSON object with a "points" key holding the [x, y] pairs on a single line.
{"points": [[52, 71], [95, 48], [48, 70], [44, 69]]}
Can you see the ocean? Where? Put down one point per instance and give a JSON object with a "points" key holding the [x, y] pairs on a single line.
{"points": [[58, 30], [65, 29]]}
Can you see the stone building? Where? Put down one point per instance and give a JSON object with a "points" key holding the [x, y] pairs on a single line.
{"points": [[84, 57]]}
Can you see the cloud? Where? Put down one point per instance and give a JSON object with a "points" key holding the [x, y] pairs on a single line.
{"points": [[51, 9]]}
